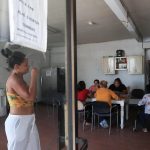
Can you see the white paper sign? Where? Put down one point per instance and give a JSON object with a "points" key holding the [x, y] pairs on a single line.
{"points": [[28, 23]]}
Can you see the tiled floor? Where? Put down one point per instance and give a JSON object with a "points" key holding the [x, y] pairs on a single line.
{"points": [[99, 139]]}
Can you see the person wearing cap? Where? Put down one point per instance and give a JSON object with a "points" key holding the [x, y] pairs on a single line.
{"points": [[104, 94]]}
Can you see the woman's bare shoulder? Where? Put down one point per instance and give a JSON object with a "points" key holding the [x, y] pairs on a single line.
{"points": [[12, 79]]}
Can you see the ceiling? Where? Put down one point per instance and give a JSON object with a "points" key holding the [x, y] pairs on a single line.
{"points": [[140, 13], [107, 27]]}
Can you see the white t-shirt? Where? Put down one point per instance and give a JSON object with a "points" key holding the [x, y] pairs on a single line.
{"points": [[145, 101]]}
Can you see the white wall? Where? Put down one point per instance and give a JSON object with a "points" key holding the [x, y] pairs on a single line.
{"points": [[89, 61], [147, 53], [57, 57]]}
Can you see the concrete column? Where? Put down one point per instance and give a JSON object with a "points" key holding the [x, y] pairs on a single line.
{"points": [[4, 21]]}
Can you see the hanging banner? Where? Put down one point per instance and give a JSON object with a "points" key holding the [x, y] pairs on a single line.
{"points": [[28, 23]]}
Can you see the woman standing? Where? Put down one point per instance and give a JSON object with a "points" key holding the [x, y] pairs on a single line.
{"points": [[20, 127]]}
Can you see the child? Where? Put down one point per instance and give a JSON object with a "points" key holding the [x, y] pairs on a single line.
{"points": [[145, 116], [94, 87]]}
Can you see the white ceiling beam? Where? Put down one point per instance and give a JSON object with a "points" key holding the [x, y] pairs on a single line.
{"points": [[122, 14]]}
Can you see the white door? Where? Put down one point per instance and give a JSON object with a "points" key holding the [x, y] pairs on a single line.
{"points": [[135, 64], [109, 65]]}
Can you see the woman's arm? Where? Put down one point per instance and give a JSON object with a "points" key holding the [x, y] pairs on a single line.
{"points": [[33, 84], [113, 95], [124, 89], [21, 89]]}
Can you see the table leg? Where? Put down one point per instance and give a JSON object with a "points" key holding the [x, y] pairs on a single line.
{"points": [[127, 110], [122, 117]]}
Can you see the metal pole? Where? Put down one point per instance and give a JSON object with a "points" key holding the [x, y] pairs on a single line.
{"points": [[70, 65]]}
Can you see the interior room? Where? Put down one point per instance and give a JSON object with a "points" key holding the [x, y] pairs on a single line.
{"points": [[112, 41]]}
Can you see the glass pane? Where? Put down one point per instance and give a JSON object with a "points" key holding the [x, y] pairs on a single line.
{"points": [[49, 108]]}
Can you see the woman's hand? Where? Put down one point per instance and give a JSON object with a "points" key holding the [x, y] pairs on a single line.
{"points": [[34, 72]]}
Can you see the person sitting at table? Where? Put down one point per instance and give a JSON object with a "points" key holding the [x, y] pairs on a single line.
{"points": [[105, 95], [94, 87], [118, 87], [82, 92], [82, 95], [144, 116]]}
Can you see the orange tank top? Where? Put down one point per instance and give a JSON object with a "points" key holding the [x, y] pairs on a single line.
{"points": [[16, 101]]}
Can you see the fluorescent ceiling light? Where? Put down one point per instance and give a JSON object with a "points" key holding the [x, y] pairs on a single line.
{"points": [[91, 23], [121, 13]]}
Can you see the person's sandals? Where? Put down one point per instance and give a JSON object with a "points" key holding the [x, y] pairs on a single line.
{"points": [[104, 124]]}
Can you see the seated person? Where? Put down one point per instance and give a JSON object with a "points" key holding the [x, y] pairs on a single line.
{"points": [[144, 117], [94, 87], [118, 87], [82, 95], [82, 92], [106, 95]]}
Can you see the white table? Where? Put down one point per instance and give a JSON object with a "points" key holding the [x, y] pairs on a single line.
{"points": [[122, 103]]}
